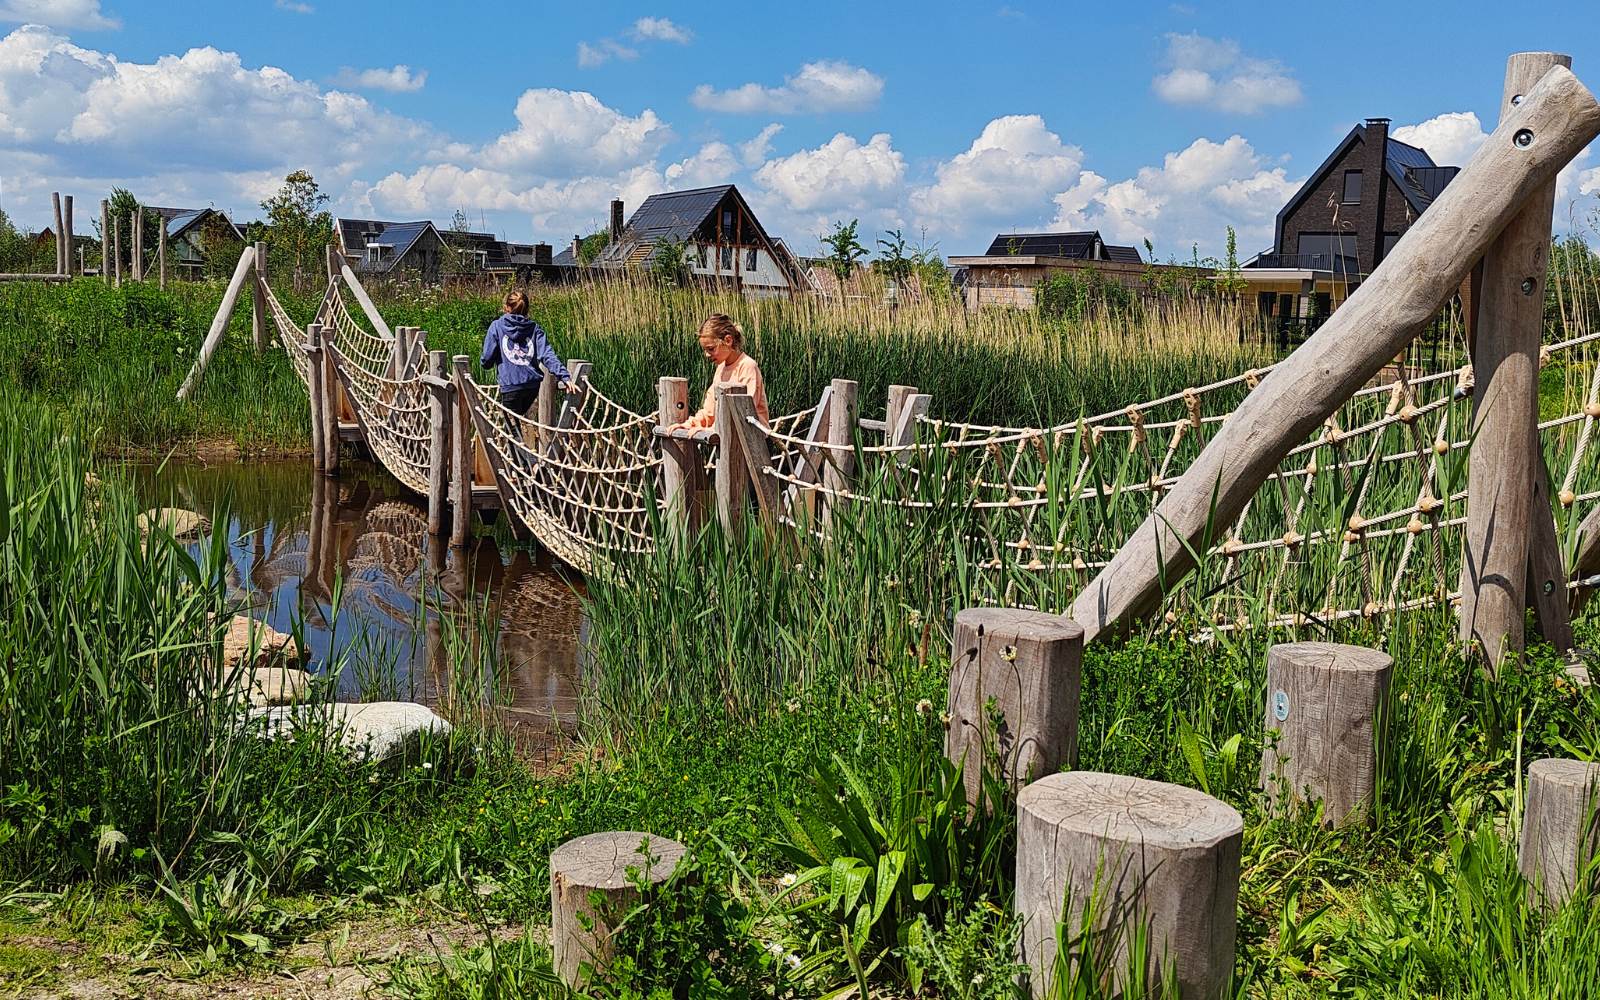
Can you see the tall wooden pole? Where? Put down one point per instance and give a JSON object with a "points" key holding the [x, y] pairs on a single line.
{"points": [[1505, 408], [1553, 123], [66, 242], [319, 459], [116, 250], [258, 295], [136, 221], [439, 405], [161, 252], [460, 454], [61, 256], [105, 241]]}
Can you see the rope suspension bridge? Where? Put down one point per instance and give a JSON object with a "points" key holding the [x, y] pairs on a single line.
{"points": [[1331, 486]]}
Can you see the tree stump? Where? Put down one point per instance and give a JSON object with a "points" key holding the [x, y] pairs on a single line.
{"points": [[1112, 854], [1559, 828], [1030, 664], [599, 863], [1329, 703]]}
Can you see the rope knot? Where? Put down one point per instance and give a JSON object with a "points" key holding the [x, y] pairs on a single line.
{"points": [[1252, 378], [1136, 418], [1464, 381], [1191, 401]]}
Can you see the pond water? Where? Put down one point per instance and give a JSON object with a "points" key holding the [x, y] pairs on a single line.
{"points": [[294, 538]]}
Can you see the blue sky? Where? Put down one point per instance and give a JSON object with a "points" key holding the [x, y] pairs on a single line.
{"points": [[1160, 121]]}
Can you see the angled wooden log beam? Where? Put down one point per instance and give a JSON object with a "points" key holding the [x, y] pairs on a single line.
{"points": [[1555, 120], [1502, 467], [219, 322], [365, 301]]}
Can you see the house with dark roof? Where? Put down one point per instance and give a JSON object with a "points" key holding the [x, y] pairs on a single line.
{"points": [[395, 249], [195, 236], [1009, 272], [723, 241], [1342, 222]]}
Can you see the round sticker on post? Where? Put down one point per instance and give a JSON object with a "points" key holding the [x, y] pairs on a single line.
{"points": [[1280, 705]]}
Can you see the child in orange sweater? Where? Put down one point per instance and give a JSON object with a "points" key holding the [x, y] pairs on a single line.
{"points": [[722, 342]]}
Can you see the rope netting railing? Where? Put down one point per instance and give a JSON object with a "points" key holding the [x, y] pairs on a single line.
{"points": [[582, 486], [395, 416], [1361, 519]]}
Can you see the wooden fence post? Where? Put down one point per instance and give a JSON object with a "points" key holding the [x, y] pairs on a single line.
{"points": [[754, 452], [1160, 857], [258, 295], [116, 250], [105, 241], [1501, 466], [60, 230], [67, 250], [161, 252], [1329, 704], [1029, 664], [460, 454], [319, 440], [1555, 120], [898, 394], [732, 475], [439, 399], [839, 459], [136, 220]]}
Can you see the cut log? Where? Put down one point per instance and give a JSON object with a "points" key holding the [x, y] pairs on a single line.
{"points": [[1555, 120], [1559, 830], [1114, 854], [599, 865], [1030, 664], [219, 322], [1329, 705]]}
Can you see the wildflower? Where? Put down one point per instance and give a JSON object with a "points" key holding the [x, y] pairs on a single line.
{"points": [[944, 717], [788, 879], [891, 583], [914, 619], [1009, 654], [883, 720], [977, 979], [924, 707], [793, 960], [793, 705], [427, 765], [775, 949]]}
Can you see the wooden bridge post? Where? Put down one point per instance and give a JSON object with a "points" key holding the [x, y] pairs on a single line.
{"points": [[733, 476], [460, 453], [677, 457], [136, 220], [258, 295], [105, 241], [1555, 120], [319, 440], [839, 461], [333, 262], [898, 395], [332, 392], [161, 254], [439, 398], [755, 453], [1505, 456]]}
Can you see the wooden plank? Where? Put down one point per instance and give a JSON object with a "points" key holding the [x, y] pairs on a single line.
{"points": [[219, 322], [1374, 324], [460, 454], [1505, 410], [840, 460], [733, 476], [362, 299], [1586, 560], [756, 453]]}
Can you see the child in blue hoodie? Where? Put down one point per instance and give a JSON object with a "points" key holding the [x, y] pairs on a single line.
{"points": [[517, 347]]}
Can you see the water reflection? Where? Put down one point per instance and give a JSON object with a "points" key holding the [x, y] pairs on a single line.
{"points": [[294, 536]]}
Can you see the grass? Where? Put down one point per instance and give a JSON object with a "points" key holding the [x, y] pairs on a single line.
{"points": [[737, 686]]}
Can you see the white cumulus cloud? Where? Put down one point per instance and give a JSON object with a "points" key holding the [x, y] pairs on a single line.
{"points": [[826, 85], [399, 79], [1450, 138], [601, 52], [1215, 73], [561, 131], [58, 14], [661, 29], [1006, 177], [754, 151], [840, 175]]}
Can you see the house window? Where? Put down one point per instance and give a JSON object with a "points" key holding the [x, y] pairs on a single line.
{"points": [[1352, 187], [700, 256], [375, 253], [727, 258], [727, 220], [750, 259]]}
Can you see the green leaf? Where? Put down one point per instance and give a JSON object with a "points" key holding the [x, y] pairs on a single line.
{"points": [[1189, 743]]}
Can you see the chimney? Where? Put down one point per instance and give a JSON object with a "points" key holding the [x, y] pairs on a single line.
{"points": [[1374, 195], [616, 219], [541, 254], [576, 239]]}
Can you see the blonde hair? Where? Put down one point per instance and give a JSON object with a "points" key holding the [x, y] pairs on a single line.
{"points": [[720, 326], [517, 302]]}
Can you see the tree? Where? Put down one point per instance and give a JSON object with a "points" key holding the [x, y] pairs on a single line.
{"points": [[893, 261], [592, 246], [670, 264], [220, 246], [844, 249], [1231, 281], [457, 260], [301, 229], [124, 208]]}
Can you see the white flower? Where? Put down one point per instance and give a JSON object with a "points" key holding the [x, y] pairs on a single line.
{"points": [[775, 949], [793, 960], [884, 720], [924, 707], [427, 765], [977, 980], [788, 879]]}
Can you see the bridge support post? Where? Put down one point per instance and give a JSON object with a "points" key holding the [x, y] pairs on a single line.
{"points": [[1501, 531], [680, 460], [439, 406], [733, 476], [258, 297], [460, 454], [332, 393], [839, 460], [319, 440], [753, 449]]}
